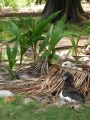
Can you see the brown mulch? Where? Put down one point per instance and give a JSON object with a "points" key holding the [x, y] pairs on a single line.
{"points": [[47, 85]]}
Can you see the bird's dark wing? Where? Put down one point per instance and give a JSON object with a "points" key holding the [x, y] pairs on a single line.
{"points": [[74, 94]]}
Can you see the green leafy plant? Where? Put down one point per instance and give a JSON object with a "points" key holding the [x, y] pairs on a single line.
{"points": [[75, 42], [38, 30], [31, 37], [11, 55], [54, 35], [11, 3]]}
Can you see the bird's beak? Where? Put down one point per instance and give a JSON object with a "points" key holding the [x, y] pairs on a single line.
{"points": [[62, 79]]}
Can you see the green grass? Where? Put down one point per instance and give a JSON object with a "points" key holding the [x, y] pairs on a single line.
{"points": [[5, 34], [24, 24], [77, 27], [20, 111]]}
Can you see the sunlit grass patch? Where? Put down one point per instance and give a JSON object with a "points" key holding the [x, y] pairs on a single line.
{"points": [[77, 27], [17, 110]]}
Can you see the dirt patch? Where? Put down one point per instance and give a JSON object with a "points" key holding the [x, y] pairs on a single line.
{"points": [[66, 41], [32, 10], [86, 7]]}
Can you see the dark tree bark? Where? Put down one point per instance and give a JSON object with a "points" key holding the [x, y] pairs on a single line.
{"points": [[38, 1], [72, 9]]}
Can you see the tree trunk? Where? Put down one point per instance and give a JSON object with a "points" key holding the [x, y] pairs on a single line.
{"points": [[38, 2], [72, 9]]}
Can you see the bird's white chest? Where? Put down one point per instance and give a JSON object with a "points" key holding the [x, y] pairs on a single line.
{"points": [[67, 99]]}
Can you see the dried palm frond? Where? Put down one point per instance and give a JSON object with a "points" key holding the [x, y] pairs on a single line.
{"points": [[47, 85]]}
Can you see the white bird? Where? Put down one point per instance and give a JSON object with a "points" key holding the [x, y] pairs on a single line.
{"points": [[68, 64], [87, 51], [5, 93]]}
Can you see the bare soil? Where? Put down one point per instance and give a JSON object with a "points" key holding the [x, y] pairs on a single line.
{"points": [[32, 10]]}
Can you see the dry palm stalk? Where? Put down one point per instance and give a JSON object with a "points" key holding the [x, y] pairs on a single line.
{"points": [[40, 67], [47, 85], [79, 77]]}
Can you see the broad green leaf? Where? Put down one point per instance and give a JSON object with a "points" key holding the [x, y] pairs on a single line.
{"points": [[56, 32], [55, 56], [57, 39], [24, 41], [23, 48], [8, 51], [13, 28], [27, 34], [36, 39], [15, 51], [58, 28], [12, 54], [45, 54], [51, 17], [33, 25], [46, 40], [40, 28], [10, 72], [9, 54]]}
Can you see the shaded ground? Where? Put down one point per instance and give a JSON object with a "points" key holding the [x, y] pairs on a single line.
{"points": [[66, 41], [32, 10]]}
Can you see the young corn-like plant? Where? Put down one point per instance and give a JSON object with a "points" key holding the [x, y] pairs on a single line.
{"points": [[75, 42], [54, 35], [32, 37], [11, 55]]}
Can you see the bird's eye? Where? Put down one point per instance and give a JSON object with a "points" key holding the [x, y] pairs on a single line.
{"points": [[66, 76]]}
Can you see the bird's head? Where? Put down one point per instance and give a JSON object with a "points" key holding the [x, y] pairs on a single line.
{"points": [[67, 76]]}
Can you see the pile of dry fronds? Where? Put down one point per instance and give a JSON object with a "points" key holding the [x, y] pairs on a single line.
{"points": [[47, 85]]}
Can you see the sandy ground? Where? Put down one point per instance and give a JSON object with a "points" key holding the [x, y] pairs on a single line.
{"points": [[7, 11], [33, 9]]}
